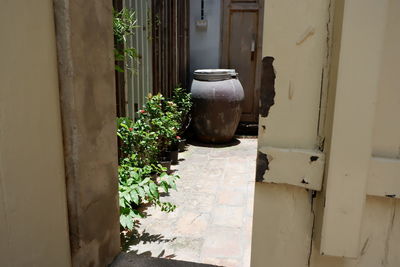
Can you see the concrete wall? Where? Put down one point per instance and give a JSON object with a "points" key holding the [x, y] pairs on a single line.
{"points": [[205, 45], [87, 92], [58, 145], [316, 42], [33, 209]]}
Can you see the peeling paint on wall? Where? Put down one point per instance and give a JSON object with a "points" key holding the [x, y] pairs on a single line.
{"points": [[267, 89], [262, 166]]}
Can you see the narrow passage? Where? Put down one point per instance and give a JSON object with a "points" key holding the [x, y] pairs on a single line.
{"points": [[213, 220]]}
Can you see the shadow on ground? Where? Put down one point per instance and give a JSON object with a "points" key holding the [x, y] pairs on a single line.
{"points": [[247, 129], [132, 259], [133, 238], [146, 259], [195, 142]]}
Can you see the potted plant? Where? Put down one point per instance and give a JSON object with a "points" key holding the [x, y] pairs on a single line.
{"points": [[161, 116], [138, 139], [172, 123], [141, 178], [175, 149], [175, 116], [183, 101], [182, 144]]}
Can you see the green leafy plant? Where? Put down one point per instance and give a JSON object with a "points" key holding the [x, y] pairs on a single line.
{"points": [[141, 180], [124, 24], [163, 118], [138, 186], [138, 139], [183, 101]]}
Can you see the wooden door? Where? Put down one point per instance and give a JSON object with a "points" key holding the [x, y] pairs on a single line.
{"points": [[241, 49]]}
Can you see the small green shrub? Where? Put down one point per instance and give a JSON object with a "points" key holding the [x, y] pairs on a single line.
{"points": [[141, 179], [163, 118], [137, 186], [183, 101], [137, 138]]}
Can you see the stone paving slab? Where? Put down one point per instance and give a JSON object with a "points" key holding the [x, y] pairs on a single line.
{"points": [[213, 220]]}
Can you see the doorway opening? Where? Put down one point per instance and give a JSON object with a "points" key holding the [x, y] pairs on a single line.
{"points": [[228, 35], [212, 221]]}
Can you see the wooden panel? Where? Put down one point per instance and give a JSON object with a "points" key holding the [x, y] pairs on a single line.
{"points": [[380, 237], [162, 43], [349, 158], [139, 81], [241, 49], [119, 76], [299, 47], [282, 226], [243, 34], [384, 177], [386, 138], [307, 168], [170, 45], [303, 168]]}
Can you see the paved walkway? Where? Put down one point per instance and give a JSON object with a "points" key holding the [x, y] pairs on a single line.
{"points": [[213, 220]]}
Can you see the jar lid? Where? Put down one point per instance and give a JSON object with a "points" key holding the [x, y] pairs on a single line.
{"points": [[214, 74]]}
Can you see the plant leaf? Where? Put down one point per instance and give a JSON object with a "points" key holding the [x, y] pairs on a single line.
{"points": [[154, 190]]}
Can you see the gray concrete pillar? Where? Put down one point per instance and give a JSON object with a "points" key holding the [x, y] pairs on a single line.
{"points": [[88, 107]]}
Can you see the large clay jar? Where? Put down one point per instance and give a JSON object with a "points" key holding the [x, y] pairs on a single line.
{"points": [[217, 95]]}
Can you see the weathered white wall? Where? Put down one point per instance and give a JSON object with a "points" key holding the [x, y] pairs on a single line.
{"points": [[205, 45], [33, 213], [380, 227], [295, 34], [287, 220], [348, 168]]}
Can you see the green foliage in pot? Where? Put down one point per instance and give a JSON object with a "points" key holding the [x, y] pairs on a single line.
{"points": [[183, 101], [141, 179], [163, 118], [137, 138]]}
